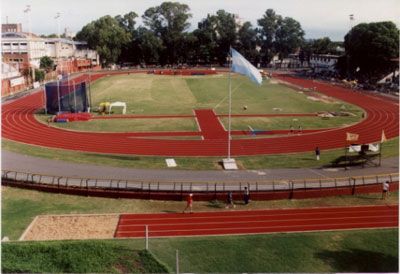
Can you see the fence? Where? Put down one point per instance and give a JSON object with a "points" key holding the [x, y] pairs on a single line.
{"points": [[168, 190]]}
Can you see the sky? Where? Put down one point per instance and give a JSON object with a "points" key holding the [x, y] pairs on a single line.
{"points": [[318, 18]]}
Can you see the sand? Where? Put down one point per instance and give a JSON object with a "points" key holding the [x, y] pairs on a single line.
{"points": [[71, 227]]}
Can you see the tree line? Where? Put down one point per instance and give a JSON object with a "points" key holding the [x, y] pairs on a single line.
{"points": [[165, 39]]}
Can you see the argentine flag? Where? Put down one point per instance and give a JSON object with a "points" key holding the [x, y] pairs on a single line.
{"points": [[242, 66]]}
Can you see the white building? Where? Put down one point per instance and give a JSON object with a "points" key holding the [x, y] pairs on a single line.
{"points": [[22, 49], [323, 62]]}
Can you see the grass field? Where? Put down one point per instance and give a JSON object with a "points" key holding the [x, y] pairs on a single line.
{"points": [[341, 251], [77, 257], [295, 160], [152, 94], [127, 125], [276, 123]]}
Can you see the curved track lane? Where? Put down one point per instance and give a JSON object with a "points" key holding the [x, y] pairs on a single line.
{"points": [[19, 124]]}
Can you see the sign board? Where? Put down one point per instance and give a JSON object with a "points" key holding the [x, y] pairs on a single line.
{"points": [[171, 162], [229, 164], [17, 81], [355, 148], [36, 84]]}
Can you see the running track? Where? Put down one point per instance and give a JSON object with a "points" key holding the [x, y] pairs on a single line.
{"points": [[19, 124], [257, 221]]}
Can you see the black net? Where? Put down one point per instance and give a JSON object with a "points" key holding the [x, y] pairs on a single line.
{"points": [[66, 97]]}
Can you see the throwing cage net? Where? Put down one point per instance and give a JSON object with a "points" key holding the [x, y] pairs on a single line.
{"points": [[65, 96]]}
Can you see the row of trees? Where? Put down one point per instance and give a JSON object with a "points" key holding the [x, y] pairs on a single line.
{"points": [[164, 39]]}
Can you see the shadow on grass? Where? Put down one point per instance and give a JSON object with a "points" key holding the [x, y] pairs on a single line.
{"points": [[357, 260], [370, 197], [353, 161], [216, 204], [114, 157]]}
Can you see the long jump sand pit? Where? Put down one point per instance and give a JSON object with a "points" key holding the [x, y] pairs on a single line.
{"points": [[71, 227]]}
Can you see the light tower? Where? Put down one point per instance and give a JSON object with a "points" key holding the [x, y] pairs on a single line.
{"points": [[27, 11], [351, 17]]}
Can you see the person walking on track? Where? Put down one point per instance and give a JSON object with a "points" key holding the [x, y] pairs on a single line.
{"points": [[317, 153], [229, 200], [189, 203], [246, 195], [385, 189]]}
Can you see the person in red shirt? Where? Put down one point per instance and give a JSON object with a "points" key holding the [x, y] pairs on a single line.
{"points": [[189, 203]]}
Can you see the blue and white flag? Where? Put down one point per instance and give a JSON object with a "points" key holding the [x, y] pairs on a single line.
{"points": [[242, 66]]}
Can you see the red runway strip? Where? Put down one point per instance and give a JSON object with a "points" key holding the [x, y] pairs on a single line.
{"points": [[257, 221], [209, 124], [19, 124]]}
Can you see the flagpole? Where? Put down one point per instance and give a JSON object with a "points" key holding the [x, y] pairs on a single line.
{"points": [[230, 103]]}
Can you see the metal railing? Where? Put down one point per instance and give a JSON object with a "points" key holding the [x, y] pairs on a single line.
{"points": [[170, 186]]}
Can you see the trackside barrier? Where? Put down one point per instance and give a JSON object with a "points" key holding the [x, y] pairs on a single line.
{"points": [[167, 190]]}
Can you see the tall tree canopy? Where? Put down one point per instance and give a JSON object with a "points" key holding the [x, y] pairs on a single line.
{"points": [[129, 50], [279, 35], [106, 36], [370, 49], [248, 42], [169, 21]]}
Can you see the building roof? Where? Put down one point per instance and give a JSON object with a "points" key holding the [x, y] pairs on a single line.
{"points": [[18, 35]]}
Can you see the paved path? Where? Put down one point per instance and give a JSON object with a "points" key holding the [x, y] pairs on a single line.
{"points": [[23, 163]]}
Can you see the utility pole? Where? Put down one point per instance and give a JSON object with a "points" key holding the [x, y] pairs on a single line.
{"points": [[27, 10], [58, 35]]}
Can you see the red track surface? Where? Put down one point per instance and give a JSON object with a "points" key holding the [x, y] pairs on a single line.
{"points": [[258, 221], [19, 124]]}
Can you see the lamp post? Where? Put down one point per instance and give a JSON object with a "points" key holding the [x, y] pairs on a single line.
{"points": [[27, 11], [351, 17], [58, 34]]}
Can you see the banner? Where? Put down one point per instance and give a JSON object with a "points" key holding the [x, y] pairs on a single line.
{"points": [[351, 136]]}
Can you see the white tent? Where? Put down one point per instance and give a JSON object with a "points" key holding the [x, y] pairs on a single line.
{"points": [[118, 104]]}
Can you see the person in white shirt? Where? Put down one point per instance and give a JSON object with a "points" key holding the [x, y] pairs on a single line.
{"points": [[385, 189]]}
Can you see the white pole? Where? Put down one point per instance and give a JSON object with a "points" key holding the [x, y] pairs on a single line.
{"points": [[230, 106], [177, 261], [147, 237], [45, 100], [58, 94], [73, 87]]}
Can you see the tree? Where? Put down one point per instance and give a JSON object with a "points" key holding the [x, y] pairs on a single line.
{"points": [[129, 51], [268, 26], [226, 34], [279, 35], [106, 36], [46, 63], [219, 32], [39, 75], [289, 36], [168, 22], [370, 48], [248, 42], [207, 39], [150, 46]]}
